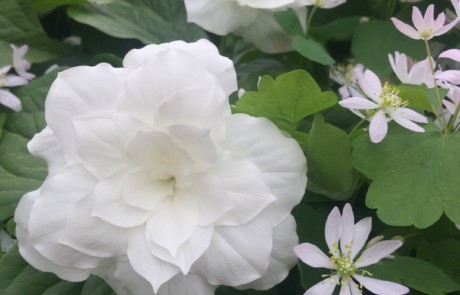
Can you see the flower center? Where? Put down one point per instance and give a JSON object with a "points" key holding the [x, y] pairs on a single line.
{"points": [[345, 266], [389, 97]]}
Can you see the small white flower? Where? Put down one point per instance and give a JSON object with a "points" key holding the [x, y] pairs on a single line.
{"points": [[347, 76], [384, 101], [20, 64], [251, 19], [154, 185], [409, 72], [7, 98], [345, 239]]}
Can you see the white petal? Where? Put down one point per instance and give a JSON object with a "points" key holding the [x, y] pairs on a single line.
{"points": [[359, 103], [345, 289], [202, 50], [378, 127], [81, 91], [354, 288], [245, 252], [260, 141], [380, 287], [453, 54], [412, 115], [451, 76], [154, 270], [333, 230], [377, 252], [406, 29], [361, 233], [371, 85], [348, 222], [312, 255], [13, 81], [325, 287], [174, 222], [186, 285], [10, 100], [399, 118], [281, 260], [44, 145]]}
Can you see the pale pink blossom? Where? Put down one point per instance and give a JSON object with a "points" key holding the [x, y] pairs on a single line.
{"points": [[425, 26], [384, 101], [345, 239], [409, 72], [347, 77], [20, 64]]}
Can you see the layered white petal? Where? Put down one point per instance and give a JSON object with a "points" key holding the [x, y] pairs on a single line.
{"points": [[380, 287]]}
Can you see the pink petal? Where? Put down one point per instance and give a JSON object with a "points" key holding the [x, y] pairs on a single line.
{"points": [[420, 23], [333, 230], [354, 288], [325, 287], [444, 29], [359, 103], [380, 287], [371, 85], [362, 230], [453, 54], [345, 290], [348, 223], [406, 29], [406, 123], [377, 252], [451, 76], [312, 255], [428, 19], [378, 127], [411, 115]]}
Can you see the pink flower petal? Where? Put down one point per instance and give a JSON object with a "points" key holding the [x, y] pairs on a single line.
{"points": [[377, 252], [361, 233], [451, 76], [406, 123], [325, 287], [378, 127], [359, 103], [348, 223], [371, 85], [453, 54], [406, 29], [310, 254], [380, 287], [420, 22], [333, 230]]}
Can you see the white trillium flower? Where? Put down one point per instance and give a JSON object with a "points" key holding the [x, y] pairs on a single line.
{"points": [[251, 19], [345, 241], [383, 101], [154, 186], [409, 72], [20, 64]]}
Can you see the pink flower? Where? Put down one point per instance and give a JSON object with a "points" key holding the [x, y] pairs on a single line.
{"points": [[426, 27], [383, 101], [409, 72], [345, 239]]}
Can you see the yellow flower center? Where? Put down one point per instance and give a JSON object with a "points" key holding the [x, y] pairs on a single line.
{"points": [[389, 97]]}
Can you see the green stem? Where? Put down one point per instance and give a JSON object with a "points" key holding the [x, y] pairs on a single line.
{"points": [[309, 18], [391, 5], [360, 123], [441, 119], [450, 128]]}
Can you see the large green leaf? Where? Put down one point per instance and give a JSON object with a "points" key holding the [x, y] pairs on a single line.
{"points": [[19, 25], [19, 278], [328, 152], [286, 100], [415, 175], [373, 41], [414, 273], [20, 172], [312, 50], [145, 21]]}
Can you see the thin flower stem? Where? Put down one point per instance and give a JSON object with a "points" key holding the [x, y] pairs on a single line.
{"points": [[309, 18], [360, 123], [442, 118], [391, 5], [451, 128]]}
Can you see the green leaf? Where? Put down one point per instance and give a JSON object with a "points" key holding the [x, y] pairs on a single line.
{"points": [[340, 29], [374, 40], [328, 152], [312, 50], [138, 20], [415, 175], [41, 5], [414, 273], [286, 100], [19, 25], [421, 97], [290, 22]]}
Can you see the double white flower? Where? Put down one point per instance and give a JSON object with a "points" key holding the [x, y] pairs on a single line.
{"points": [[251, 19], [154, 186]]}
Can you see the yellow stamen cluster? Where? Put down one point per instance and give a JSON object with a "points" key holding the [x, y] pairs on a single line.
{"points": [[390, 97]]}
